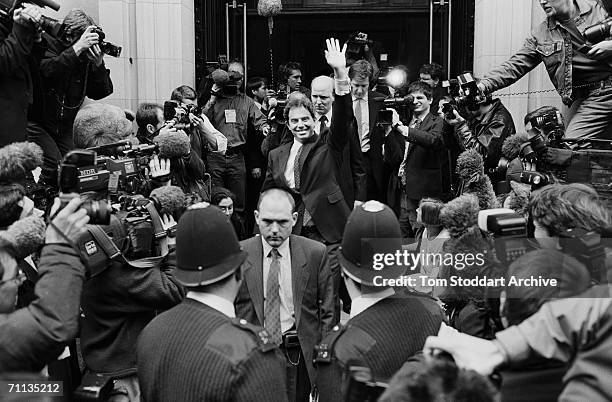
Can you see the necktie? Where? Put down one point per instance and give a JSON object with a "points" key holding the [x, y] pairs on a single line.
{"points": [[273, 302], [323, 120], [297, 168], [359, 118], [402, 169]]}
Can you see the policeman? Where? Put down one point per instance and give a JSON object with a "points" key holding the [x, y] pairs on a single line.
{"points": [[198, 350], [386, 326]]}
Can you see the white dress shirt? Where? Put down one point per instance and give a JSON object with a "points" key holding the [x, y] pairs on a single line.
{"points": [[364, 302], [218, 303], [287, 311], [365, 121], [318, 121]]}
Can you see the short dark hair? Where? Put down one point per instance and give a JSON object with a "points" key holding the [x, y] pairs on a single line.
{"points": [[421, 87], [219, 194], [559, 207], [286, 69], [183, 92], [438, 380], [147, 114], [361, 69], [254, 84], [298, 99], [434, 70], [276, 190]]}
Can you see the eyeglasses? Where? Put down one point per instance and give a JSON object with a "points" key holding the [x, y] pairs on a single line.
{"points": [[19, 279]]}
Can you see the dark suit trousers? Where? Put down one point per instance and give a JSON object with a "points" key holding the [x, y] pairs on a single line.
{"points": [[373, 191], [229, 171], [298, 383], [54, 148]]}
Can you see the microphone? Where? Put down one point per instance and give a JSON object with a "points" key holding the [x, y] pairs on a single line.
{"points": [[168, 200], [173, 145], [26, 235], [512, 145], [18, 159]]}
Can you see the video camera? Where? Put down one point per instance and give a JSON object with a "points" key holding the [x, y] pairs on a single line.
{"points": [[280, 97], [77, 168], [355, 45], [227, 81], [385, 117], [107, 47]]}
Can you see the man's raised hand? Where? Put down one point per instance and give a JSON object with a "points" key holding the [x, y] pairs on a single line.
{"points": [[336, 58]]}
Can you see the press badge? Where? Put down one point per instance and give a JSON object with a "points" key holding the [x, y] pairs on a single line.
{"points": [[230, 116]]}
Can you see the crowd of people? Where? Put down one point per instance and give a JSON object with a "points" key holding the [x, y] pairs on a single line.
{"points": [[245, 242]]}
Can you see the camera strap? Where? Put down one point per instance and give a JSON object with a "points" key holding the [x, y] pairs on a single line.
{"points": [[114, 254]]}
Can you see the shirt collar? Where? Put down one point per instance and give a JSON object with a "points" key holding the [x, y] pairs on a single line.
{"points": [[583, 8], [365, 98], [328, 115], [259, 105], [218, 303], [364, 302], [283, 250]]}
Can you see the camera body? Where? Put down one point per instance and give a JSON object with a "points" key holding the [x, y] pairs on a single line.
{"points": [[598, 32], [79, 167], [107, 47], [355, 45], [470, 96], [178, 114], [385, 117], [509, 231]]}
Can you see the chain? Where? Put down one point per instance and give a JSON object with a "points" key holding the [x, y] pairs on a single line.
{"points": [[543, 91]]}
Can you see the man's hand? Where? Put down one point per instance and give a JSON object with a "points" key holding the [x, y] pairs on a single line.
{"points": [[256, 173], [86, 41], [159, 167], [169, 225], [558, 157], [469, 352], [70, 222], [95, 55], [336, 58], [455, 121], [601, 50], [29, 15]]}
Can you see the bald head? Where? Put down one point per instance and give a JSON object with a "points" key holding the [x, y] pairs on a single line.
{"points": [[322, 94], [275, 217]]}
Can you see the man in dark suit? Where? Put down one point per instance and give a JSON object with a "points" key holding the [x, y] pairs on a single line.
{"points": [[199, 350], [421, 170], [292, 275], [366, 105], [307, 165]]}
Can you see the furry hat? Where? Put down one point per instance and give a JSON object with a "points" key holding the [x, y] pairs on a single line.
{"points": [[17, 160], [470, 167], [459, 214], [518, 198], [512, 145]]}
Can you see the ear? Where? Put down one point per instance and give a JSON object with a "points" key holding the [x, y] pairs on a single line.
{"points": [[256, 213], [294, 217], [150, 128]]}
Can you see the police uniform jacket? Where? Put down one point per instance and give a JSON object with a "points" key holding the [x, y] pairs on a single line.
{"points": [[194, 352], [381, 338]]}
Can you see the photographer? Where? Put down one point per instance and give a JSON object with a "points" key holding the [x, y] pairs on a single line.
{"points": [[18, 38], [109, 330], [485, 127], [290, 75], [580, 71], [432, 74], [233, 114], [34, 336], [72, 68]]}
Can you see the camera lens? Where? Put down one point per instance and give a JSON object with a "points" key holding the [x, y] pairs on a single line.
{"points": [[99, 212]]}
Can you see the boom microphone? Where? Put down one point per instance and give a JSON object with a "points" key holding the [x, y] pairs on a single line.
{"points": [[173, 145], [18, 159], [168, 200], [26, 235]]}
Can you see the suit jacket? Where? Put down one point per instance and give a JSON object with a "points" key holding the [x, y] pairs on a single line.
{"points": [[319, 190], [312, 287], [426, 160]]}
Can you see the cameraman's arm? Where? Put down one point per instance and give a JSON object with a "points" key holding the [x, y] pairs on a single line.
{"points": [[257, 119], [156, 288], [510, 71], [17, 46], [57, 62], [33, 336], [429, 139], [216, 141], [99, 83]]}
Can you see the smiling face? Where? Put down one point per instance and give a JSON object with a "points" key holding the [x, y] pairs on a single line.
{"points": [[421, 103], [301, 123]]}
